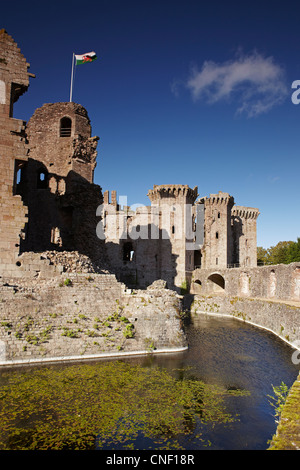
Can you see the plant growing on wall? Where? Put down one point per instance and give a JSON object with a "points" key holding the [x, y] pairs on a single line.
{"points": [[278, 399]]}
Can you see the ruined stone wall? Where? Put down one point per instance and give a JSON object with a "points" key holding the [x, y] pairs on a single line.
{"points": [[84, 316], [61, 149], [150, 243], [278, 282], [279, 317], [14, 81], [57, 182], [163, 238], [138, 252]]}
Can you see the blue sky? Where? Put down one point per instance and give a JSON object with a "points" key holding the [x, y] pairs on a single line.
{"points": [[183, 92]]}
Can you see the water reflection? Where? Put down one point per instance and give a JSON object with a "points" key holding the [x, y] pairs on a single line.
{"points": [[222, 351], [233, 354]]}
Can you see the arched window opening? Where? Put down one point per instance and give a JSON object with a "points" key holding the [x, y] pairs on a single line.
{"points": [[217, 281], [197, 287], [65, 127], [19, 177], [128, 252]]}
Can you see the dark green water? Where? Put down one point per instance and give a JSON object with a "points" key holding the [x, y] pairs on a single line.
{"points": [[223, 352], [231, 353]]}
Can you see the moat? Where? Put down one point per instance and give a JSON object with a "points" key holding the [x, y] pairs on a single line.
{"points": [[237, 358]]}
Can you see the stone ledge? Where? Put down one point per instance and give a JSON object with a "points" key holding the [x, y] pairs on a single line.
{"points": [[88, 357]]}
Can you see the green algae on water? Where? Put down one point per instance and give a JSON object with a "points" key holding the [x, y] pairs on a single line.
{"points": [[110, 404]]}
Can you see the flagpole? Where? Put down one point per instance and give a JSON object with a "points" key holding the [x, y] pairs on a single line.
{"points": [[72, 74]]}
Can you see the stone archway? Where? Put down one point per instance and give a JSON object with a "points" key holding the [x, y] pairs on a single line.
{"points": [[216, 282], [197, 286]]}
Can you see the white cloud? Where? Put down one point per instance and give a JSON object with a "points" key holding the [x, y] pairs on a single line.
{"points": [[255, 82]]}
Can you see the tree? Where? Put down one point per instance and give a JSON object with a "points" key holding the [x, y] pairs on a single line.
{"points": [[293, 253], [282, 253], [262, 256], [279, 254]]}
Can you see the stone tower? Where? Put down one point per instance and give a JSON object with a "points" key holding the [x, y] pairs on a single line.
{"points": [[218, 247], [173, 204], [60, 139], [57, 181], [14, 81], [243, 226]]}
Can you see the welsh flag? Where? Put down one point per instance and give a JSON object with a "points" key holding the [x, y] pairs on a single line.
{"points": [[84, 58]]}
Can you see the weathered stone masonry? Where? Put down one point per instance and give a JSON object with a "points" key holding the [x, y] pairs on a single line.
{"points": [[49, 208], [85, 316], [58, 297], [14, 81], [267, 296], [59, 293]]}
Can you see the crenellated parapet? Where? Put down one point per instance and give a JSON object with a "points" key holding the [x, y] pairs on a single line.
{"points": [[222, 199], [174, 191], [245, 212]]}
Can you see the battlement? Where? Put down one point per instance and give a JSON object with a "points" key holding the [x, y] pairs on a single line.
{"points": [[245, 212], [180, 191], [221, 199]]}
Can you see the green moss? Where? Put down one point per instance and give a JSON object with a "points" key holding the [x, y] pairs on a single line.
{"points": [[70, 333], [71, 407], [287, 435], [128, 332]]}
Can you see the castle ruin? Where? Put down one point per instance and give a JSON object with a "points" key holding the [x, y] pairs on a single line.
{"points": [[50, 204]]}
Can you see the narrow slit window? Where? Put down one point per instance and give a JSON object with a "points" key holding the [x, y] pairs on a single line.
{"points": [[42, 179]]}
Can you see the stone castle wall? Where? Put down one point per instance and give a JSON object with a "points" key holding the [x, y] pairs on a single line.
{"points": [[84, 316], [267, 296], [274, 282], [14, 81], [280, 318]]}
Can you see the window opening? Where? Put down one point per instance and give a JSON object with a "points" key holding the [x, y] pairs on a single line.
{"points": [[128, 252], [217, 282], [65, 127], [42, 180], [19, 177]]}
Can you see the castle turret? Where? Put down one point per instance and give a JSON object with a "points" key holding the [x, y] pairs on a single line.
{"points": [[57, 182], [244, 235], [173, 204], [217, 248], [60, 139]]}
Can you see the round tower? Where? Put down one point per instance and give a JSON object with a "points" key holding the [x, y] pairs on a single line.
{"points": [[60, 139]]}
